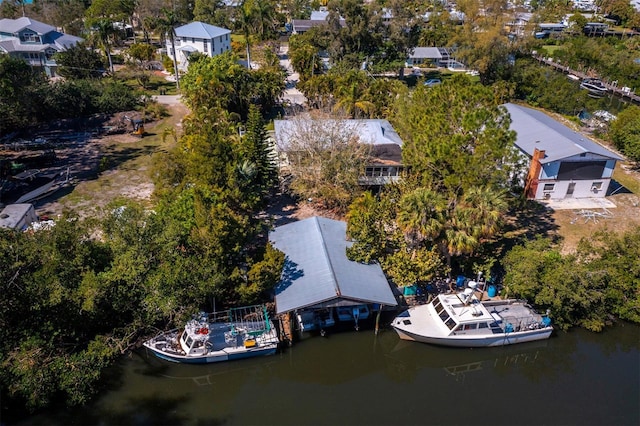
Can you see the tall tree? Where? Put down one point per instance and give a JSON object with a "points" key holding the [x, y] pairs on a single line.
{"points": [[455, 136], [80, 62], [257, 151], [326, 159], [166, 24], [18, 85]]}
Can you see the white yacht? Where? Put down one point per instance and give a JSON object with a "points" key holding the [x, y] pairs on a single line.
{"points": [[461, 319]]}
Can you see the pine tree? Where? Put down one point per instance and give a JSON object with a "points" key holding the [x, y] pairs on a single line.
{"points": [[259, 152]]}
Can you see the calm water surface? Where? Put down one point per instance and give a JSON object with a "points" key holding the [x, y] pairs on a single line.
{"points": [[357, 378]]}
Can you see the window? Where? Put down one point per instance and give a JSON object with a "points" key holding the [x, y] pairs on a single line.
{"points": [[549, 187], [227, 37], [581, 170], [184, 39], [30, 38], [443, 315], [450, 323], [193, 40], [205, 46], [596, 186]]}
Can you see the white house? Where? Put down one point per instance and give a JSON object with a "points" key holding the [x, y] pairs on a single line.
{"points": [[35, 42], [198, 37], [563, 162]]}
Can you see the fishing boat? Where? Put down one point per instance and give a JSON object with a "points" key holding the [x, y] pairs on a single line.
{"points": [[221, 336], [461, 319], [594, 86], [353, 313], [315, 319]]}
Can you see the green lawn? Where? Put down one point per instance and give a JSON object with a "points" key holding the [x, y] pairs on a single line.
{"points": [[551, 49]]}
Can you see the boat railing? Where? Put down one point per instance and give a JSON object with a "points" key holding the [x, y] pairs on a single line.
{"points": [[527, 323], [248, 319]]}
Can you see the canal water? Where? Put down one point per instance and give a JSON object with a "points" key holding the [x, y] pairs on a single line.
{"points": [[358, 378]]}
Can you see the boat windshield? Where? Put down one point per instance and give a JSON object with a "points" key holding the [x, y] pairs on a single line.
{"points": [[442, 313], [440, 310], [188, 341], [450, 323]]}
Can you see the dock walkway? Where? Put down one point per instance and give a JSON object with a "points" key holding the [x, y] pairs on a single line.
{"points": [[613, 88]]}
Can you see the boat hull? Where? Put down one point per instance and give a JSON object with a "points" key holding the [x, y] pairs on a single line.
{"points": [[462, 320], [477, 341], [210, 359], [238, 333]]}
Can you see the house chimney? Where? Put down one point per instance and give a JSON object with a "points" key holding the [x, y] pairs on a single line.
{"points": [[531, 184]]}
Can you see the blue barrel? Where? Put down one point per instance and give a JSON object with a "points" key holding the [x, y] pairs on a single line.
{"points": [[460, 280], [492, 291]]}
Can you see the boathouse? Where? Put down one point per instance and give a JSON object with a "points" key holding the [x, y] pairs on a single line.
{"points": [[317, 273], [562, 162]]}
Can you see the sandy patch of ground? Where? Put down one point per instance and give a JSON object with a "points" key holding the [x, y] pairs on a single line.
{"points": [[108, 167]]}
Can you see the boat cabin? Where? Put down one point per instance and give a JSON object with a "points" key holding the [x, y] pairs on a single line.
{"points": [[464, 314], [194, 340]]}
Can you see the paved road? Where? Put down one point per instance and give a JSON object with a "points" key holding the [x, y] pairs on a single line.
{"points": [[168, 99], [291, 94]]}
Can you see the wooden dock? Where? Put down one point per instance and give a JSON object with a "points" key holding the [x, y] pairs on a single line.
{"points": [[612, 88], [286, 328]]}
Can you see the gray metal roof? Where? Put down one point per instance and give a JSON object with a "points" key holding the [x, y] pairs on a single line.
{"points": [[200, 30], [317, 271], [13, 26], [12, 214], [371, 131], [535, 129], [426, 52]]}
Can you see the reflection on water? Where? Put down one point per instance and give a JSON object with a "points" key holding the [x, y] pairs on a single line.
{"points": [[359, 378]]}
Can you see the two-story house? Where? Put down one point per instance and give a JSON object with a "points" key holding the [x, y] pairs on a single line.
{"points": [[199, 37], [562, 162], [35, 42]]}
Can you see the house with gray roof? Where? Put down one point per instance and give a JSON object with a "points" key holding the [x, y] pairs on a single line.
{"points": [[35, 42], [429, 57], [385, 164], [318, 18], [563, 162], [199, 37], [317, 273]]}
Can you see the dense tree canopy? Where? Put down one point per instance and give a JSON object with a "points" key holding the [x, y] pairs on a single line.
{"points": [[455, 136], [625, 132], [583, 288], [222, 82]]}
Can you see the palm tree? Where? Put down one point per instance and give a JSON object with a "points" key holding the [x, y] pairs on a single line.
{"points": [[166, 24], [352, 96], [456, 225], [422, 216], [104, 30], [246, 12]]}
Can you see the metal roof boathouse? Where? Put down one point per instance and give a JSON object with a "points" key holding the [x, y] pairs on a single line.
{"points": [[317, 273]]}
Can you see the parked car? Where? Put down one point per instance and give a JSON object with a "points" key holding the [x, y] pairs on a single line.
{"points": [[432, 82]]}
